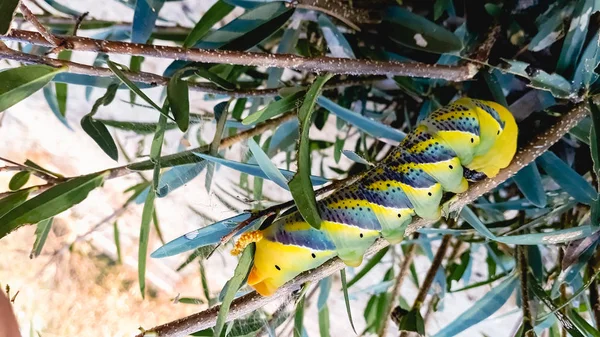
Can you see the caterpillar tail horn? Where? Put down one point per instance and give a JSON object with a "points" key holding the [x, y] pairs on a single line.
{"points": [[245, 240]]}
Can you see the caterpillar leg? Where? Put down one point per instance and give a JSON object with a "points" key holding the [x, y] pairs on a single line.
{"points": [[351, 242]]}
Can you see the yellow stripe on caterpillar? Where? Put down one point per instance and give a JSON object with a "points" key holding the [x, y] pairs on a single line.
{"points": [[245, 240]]}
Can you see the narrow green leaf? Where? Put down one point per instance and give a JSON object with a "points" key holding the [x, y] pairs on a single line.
{"points": [[16, 84], [221, 112], [539, 292], [19, 180], [50, 202], [7, 11], [135, 65], [216, 13], [582, 324], [144, 237], [62, 88], [100, 134], [299, 317], [117, 237], [178, 95], [41, 234], [595, 136], [324, 322], [239, 276], [41, 169], [413, 322], [216, 79], [491, 302], [300, 185], [119, 73], [276, 108], [368, 266], [13, 200], [346, 298]]}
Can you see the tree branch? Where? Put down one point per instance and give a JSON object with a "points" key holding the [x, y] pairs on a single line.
{"points": [[252, 301], [395, 293], [317, 64], [120, 171], [48, 37], [156, 80]]}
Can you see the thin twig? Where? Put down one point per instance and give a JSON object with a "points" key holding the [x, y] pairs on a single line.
{"points": [[157, 80], [430, 276], [395, 293], [40, 174], [48, 37], [120, 171], [252, 301], [315, 64], [78, 23], [523, 274]]}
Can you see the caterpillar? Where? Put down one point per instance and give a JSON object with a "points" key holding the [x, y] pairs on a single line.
{"points": [[464, 141]]}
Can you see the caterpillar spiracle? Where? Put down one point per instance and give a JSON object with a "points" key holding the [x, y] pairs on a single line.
{"points": [[466, 140]]}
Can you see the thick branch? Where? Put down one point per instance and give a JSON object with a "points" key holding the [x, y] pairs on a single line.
{"points": [[252, 301], [316, 64]]}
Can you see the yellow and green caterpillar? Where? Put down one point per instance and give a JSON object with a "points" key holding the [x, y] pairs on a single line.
{"points": [[467, 140]]}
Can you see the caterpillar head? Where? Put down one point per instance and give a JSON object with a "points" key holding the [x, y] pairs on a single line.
{"points": [[498, 133], [276, 263]]}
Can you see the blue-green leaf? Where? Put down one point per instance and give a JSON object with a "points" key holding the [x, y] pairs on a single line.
{"points": [[255, 170], [529, 181], [585, 73], [556, 84], [567, 178], [201, 237], [482, 309], [144, 19], [363, 123], [575, 36], [50, 97], [267, 165], [336, 42], [216, 13], [415, 31]]}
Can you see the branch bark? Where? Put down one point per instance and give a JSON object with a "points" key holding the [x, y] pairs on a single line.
{"points": [[252, 301], [317, 64], [157, 80]]}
